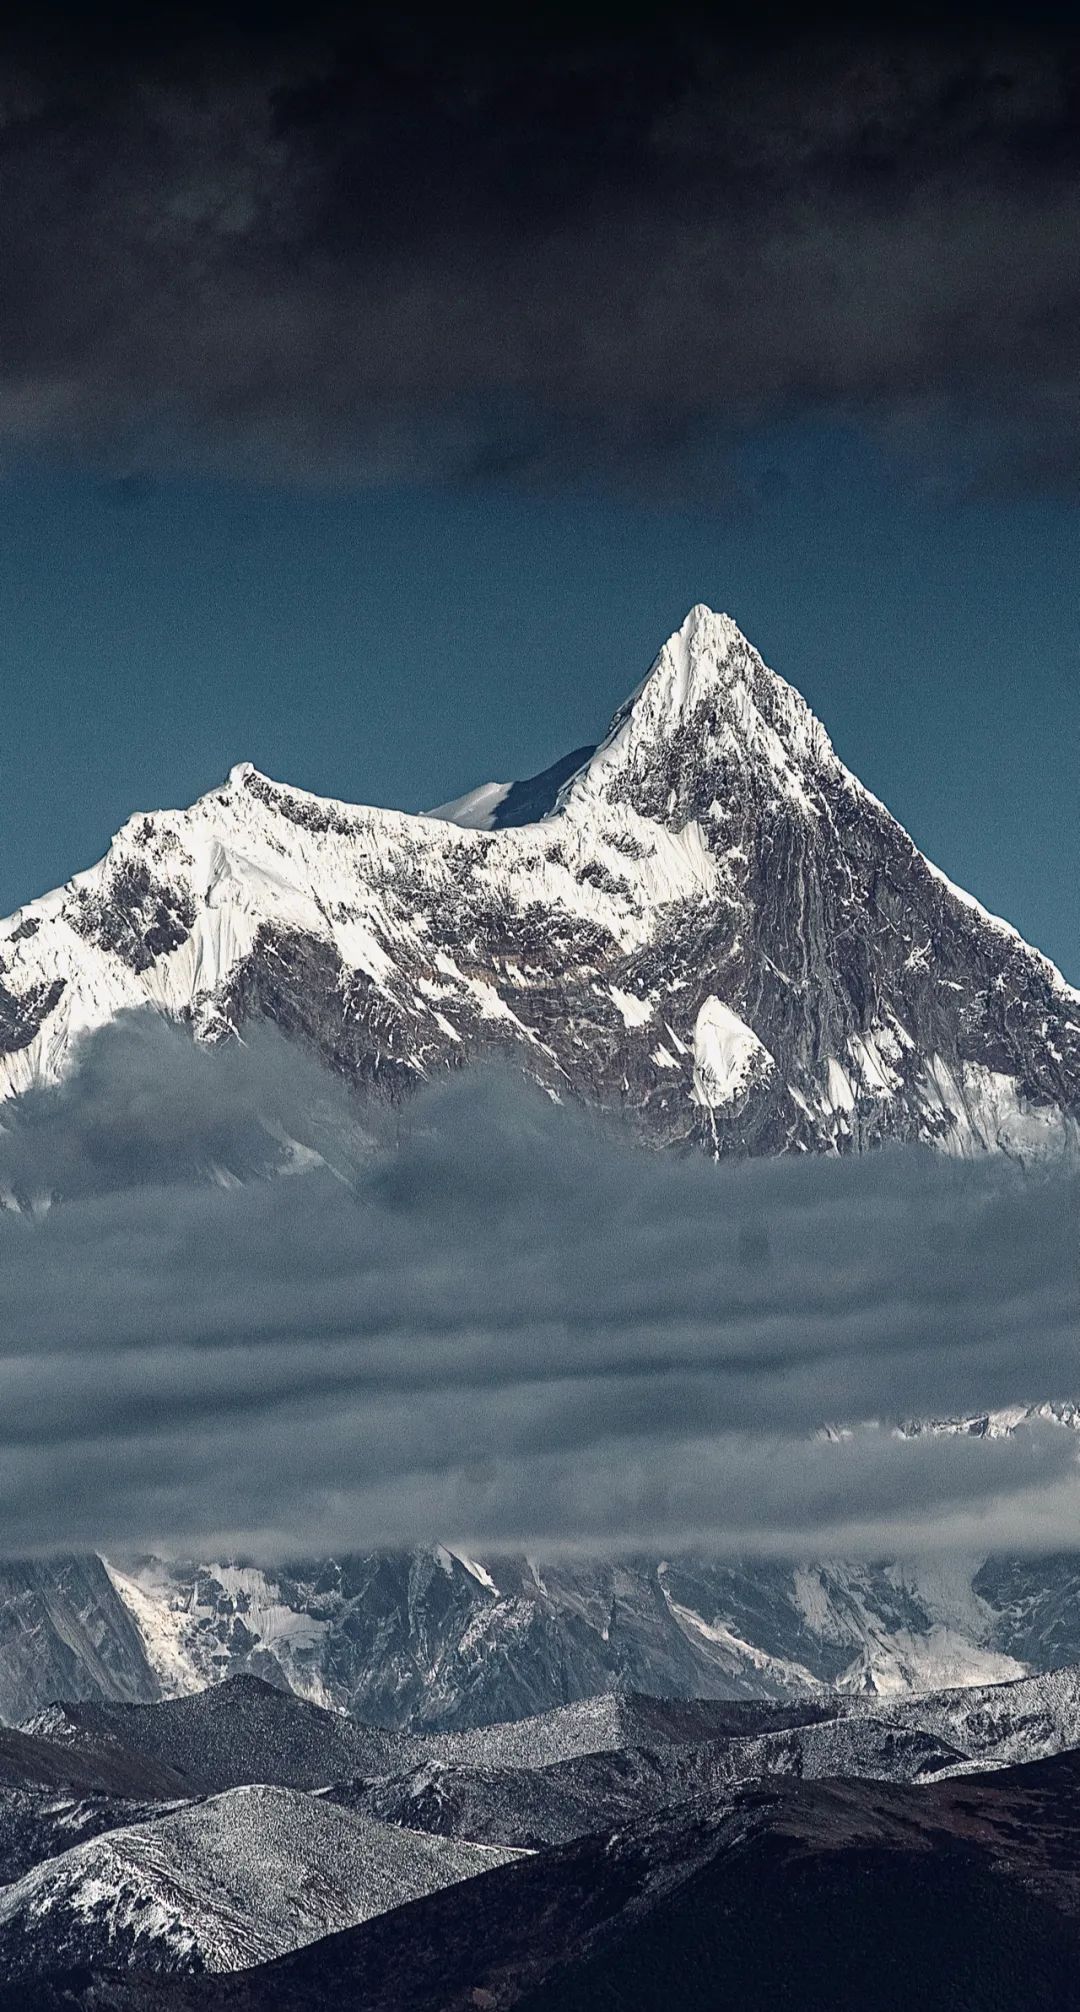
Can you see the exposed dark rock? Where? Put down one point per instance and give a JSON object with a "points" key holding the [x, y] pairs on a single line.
{"points": [[138, 916], [22, 1015]]}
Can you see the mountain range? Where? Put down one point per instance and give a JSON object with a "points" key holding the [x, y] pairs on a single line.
{"points": [[705, 924], [634, 1851]]}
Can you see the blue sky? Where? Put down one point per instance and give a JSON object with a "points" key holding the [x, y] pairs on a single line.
{"points": [[398, 646], [344, 376]]}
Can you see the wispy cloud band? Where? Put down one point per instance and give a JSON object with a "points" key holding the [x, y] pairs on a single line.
{"points": [[500, 1323]]}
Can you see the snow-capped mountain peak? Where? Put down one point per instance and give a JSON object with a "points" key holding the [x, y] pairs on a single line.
{"points": [[705, 922], [708, 700]]}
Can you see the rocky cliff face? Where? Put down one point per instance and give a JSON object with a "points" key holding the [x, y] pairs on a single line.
{"points": [[66, 1632], [430, 1638], [711, 927]]}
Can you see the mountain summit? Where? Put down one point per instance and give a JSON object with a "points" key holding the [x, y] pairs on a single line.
{"points": [[707, 702], [705, 921]]}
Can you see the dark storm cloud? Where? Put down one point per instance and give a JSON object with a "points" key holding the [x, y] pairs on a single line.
{"points": [[505, 1327], [553, 251]]}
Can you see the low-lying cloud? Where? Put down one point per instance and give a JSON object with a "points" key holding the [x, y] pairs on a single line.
{"points": [[489, 1320]]}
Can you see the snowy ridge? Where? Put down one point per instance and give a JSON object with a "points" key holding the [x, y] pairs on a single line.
{"points": [[530, 1806], [711, 867], [221, 1884]]}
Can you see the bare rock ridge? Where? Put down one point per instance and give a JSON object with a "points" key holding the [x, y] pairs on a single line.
{"points": [[705, 922]]}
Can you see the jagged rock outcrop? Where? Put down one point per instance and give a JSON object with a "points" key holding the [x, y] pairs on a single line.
{"points": [[431, 1639]]}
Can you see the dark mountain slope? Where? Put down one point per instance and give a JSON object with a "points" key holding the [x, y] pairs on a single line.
{"points": [[92, 1766], [959, 1897], [237, 1732]]}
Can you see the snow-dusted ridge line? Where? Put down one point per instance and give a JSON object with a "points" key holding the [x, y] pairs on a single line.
{"points": [[223, 1883], [986, 915], [711, 848], [818, 743]]}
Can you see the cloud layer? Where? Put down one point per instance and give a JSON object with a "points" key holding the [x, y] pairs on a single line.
{"points": [[496, 1324], [546, 249]]}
